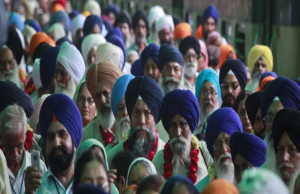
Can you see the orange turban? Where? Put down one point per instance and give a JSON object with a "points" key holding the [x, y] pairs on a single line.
{"points": [[57, 7], [225, 49], [182, 30], [220, 186], [37, 39], [264, 82], [199, 32], [105, 73]]}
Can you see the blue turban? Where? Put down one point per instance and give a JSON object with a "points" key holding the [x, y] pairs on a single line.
{"points": [[268, 73], [210, 11], [287, 90], [34, 24], [63, 17], [183, 103], [66, 112], [15, 18], [222, 120], [137, 68], [90, 22], [118, 92], [89, 188], [238, 68], [210, 75], [117, 41], [48, 65], [112, 8], [149, 91], [168, 53], [73, 14], [152, 51], [108, 26], [12, 94], [40, 49], [115, 32], [249, 146], [169, 185], [60, 41]]}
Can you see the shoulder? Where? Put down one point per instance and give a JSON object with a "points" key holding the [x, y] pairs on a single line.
{"points": [[158, 156], [108, 147]]}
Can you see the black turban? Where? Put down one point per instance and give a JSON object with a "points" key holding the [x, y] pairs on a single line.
{"points": [[149, 91], [238, 68], [176, 19], [287, 120], [14, 44], [190, 42], [252, 105], [141, 14], [168, 53], [123, 17], [40, 49]]}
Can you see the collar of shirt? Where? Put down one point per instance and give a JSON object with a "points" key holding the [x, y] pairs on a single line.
{"points": [[51, 178]]}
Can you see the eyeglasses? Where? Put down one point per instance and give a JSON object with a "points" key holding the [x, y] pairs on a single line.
{"points": [[194, 56], [219, 144], [268, 120], [82, 100], [234, 86], [205, 94]]}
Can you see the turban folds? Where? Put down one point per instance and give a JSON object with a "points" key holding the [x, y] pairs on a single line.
{"points": [[199, 32], [77, 24], [40, 49], [222, 120], [63, 17], [60, 41], [260, 51], [89, 42], [14, 43], [168, 53], [34, 24], [212, 37], [66, 112], [90, 23], [225, 49], [155, 13], [249, 146], [152, 51], [164, 22], [58, 30], [112, 8], [183, 103], [110, 52], [37, 39], [169, 184], [239, 70], [118, 41], [210, 11], [15, 19], [140, 14], [115, 32], [28, 32], [182, 30], [149, 91], [252, 105], [190, 42], [137, 68]]}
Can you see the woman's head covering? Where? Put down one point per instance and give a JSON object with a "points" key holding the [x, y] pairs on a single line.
{"points": [[168, 53], [137, 69], [169, 184], [183, 103], [150, 92], [225, 49], [117, 41], [264, 82], [164, 22], [199, 32], [182, 31], [34, 24], [212, 37], [112, 8], [77, 24], [89, 42], [37, 39], [123, 17], [90, 22], [58, 30], [190, 42], [63, 17], [252, 105], [260, 51], [155, 13], [268, 73], [140, 14], [14, 43], [110, 52], [220, 186], [210, 11], [152, 51], [15, 19], [93, 7], [40, 49], [34, 119]]}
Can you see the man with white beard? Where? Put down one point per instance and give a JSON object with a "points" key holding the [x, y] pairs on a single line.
{"points": [[143, 98], [70, 68], [100, 79], [183, 152], [286, 134], [122, 123], [190, 49]]}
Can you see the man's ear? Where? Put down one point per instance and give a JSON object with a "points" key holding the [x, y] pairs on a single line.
{"points": [[122, 181]]}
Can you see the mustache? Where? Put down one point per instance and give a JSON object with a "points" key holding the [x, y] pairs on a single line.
{"points": [[60, 148], [209, 102], [60, 85], [124, 119], [229, 95], [173, 79], [286, 165], [14, 159], [222, 156], [140, 128], [180, 139]]}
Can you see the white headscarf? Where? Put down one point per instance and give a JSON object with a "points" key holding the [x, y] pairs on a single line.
{"points": [[4, 178], [34, 119], [28, 32], [77, 23], [164, 23], [110, 52], [155, 13], [89, 42], [72, 60], [93, 7], [59, 31]]}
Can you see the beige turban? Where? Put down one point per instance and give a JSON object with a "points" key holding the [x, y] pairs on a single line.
{"points": [[110, 52]]}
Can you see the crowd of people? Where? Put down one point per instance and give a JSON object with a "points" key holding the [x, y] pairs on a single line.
{"points": [[136, 105]]}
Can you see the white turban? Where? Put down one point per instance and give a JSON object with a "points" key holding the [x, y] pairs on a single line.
{"points": [[77, 23], [93, 7], [110, 52], [155, 13], [59, 31], [164, 23], [28, 32], [89, 42], [36, 76], [72, 60]]}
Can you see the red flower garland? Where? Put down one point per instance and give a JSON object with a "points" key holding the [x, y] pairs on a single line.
{"points": [[151, 154], [168, 166], [28, 141], [106, 135]]}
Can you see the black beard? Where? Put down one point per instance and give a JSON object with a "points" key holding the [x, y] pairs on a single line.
{"points": [[224, 101], [165, 42], [261, 134]]}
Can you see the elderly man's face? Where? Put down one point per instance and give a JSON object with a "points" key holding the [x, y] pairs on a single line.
{"points": [[102, 98], [240, 164], [172, 69], [165, 36], [96, 29], [230, 90], [7, 64], [221, 148], [138, 173], [190, 63], [260, 66], [91, 58], [140, 31], [208, 99], [208, 27], [151, 69], [61, 75], [122, 123]]}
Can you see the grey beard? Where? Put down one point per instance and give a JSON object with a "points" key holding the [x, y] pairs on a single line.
{"points": [[169, 86], [270, 155], [121, 128], [292, 178], [69, 90], [224, 170], [15, 78], [106, 120], [205, 112]]}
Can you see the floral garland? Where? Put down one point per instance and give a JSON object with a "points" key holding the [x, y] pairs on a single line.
{"points": [[151, 154], [168, 156], [106, 135]]}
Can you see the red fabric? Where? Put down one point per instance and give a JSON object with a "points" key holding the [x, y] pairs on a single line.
{"points": [[28, 141], [106, 135]]}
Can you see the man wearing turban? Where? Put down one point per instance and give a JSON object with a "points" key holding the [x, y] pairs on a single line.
{"points": [[143, 99], [61, 131], [123, 21], [164, 28], [77, 28], [233, 80], [92, 25], [155, 13], [247, 151], [190, 49], [149, 60], [209, 20], [286, 134], [180, 115], [69, 70], [181, 31], [100, 79], [112, 11], [109, 52]]}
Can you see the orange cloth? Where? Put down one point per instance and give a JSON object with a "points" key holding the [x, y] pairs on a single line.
{"points": [[86, 13], [54, 118], [22, 75], [57, 7], [225, 49], [264, 82], [182, 30], [220, 186], [199, 32], [38, 38]]}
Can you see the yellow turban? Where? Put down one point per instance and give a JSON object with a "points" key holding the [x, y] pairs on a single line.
{"points": [[260, 51]]}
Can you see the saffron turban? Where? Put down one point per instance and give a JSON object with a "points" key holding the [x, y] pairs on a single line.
{"points": [[249, 146], [168, 53], [57, 7], [72, 60], [222, 120], [260, 51], [89, 42], [164, 22], [77, 24], [239, 70], [149, 91], [182, 30], [264, 83], [190, 42], [183, 103], [63, 17], [3, 24], [48, 65], [286, 121], [199, 32], [34, 24], [169, 184], [40, 49], [90, 23], [220, 186], [211, 76], [139, 15], [105, 73], [252, 105], [117, 41], [287, 90], [14, 43], [37, 39], [137, 68], [155, 13], [204, 52], [123, 17], [225, 49], [110, 52], [58, 30], [93, 7], [268, 73], [118, 92], [60, 41], [152, 51], [212, 37], [34, 119], [210, 11], [115, 32], [66, 112], [15, 19], [112, 8]]}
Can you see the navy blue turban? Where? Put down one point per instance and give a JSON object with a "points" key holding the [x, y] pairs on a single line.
{"points": [[287, 90], [115, 32], [149, 91], [140, 15], [123, 17], [222, 120], [183, 103], [34, 24], [3, 24], [73, 14], [48, 65], [90, 22], [252, 105], [169, 185], [108, 26], [249, 146], [152, 51], [63, 17], [137, 69], [268, 73], [40, 49], [112, 8], [60, 41], [14, 44], [210, 11], [115, 40], [66, 112], [12, 94], [238, 68], [286, 121], [190, 42], [168, 53]]}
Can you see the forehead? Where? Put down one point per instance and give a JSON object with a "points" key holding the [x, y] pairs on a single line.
{"points": [[229, 79], [141, 22], [274, 107], [261, 61], [222, 136], [5, 52], [208, 85], [210, 20], [140, 105], [55, 127], [172, 64], [178, 118], [100, 87], [60, 67], [191, 51], [285, 140], [17, 132]]}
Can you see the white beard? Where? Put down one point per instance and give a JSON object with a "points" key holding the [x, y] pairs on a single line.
{"points": [[270, 155], [121, 128], [224, 170], [14, 77], [69, 91], [181, 152], [107, 119], [290, 183], [168, 86], [205, 112], [190, 69]]}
